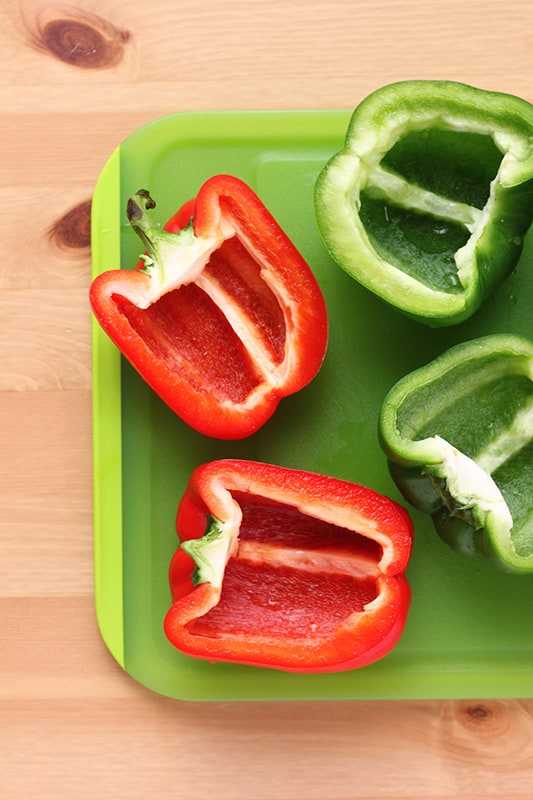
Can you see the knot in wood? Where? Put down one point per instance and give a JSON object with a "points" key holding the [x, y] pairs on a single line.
{"points": [[80, 39], [72, 231]]}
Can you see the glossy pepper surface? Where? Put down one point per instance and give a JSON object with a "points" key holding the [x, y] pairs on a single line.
{"points": [[458, 434], [428, 202], [287, 569], [222, 316]]}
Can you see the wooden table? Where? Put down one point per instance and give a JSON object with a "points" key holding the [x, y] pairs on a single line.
{"points": [[75, 81]]}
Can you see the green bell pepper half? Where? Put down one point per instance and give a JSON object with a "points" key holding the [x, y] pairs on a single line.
{"points": [[458, 435], [429, 200]]}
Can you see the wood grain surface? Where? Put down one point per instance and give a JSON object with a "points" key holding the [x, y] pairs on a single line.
{"points": [[76, 78]]}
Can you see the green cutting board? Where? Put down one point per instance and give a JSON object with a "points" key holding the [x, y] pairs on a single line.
{"points": [[470, 628]]}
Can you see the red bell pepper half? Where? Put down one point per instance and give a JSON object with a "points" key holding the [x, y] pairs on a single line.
{"points": [[222, 316], [287, 569]]}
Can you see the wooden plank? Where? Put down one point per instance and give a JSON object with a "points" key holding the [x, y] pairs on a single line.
{"points": [[45, 340], [46, 497]]}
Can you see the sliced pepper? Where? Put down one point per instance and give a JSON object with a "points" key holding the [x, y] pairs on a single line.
{"points": [[222, 316], [287, 569], [428, 202], [458, 433]]}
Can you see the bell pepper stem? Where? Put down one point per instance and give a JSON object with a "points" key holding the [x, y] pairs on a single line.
{"points": [[171, 259]]}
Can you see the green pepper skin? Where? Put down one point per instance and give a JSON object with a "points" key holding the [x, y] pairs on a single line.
{"points": [[495, 128], [458, 435]]}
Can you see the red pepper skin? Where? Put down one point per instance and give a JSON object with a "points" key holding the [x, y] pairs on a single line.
{"points": [[316, 631], [224, 384]]}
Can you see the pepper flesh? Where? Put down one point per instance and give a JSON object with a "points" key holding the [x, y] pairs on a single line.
{"points": [[287, 569], [458, 434], [429, 200], [222, 316]]}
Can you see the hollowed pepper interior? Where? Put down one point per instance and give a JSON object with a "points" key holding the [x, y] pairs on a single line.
{"points": [[292, 574], [483, 412], [456, 167], [189, 327]]}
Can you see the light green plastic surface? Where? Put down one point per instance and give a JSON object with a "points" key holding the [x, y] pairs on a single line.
{"points": [[470, 630]]}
